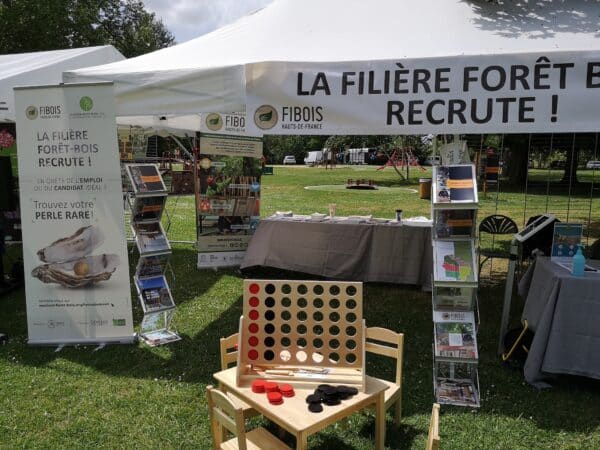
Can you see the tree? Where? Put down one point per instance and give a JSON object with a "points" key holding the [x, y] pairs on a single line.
{"points": [[30, 25], [517, 161], [276, 147]]}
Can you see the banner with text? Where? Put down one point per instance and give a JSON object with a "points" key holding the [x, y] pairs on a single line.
{"points": [[74, 248], [512, 93], [228, 208]]}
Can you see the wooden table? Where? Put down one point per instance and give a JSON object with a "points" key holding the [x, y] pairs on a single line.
{"points": [[294, 415]]}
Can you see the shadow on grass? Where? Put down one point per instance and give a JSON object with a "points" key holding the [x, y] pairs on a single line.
{"points": [[193, 359]]}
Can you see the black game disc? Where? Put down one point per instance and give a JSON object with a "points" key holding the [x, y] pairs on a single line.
{"points": [[313, 398], [315, 407], [332, 401], [327, 390], [347, 390]]}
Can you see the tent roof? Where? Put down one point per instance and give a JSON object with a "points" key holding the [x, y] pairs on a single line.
{"points": [[37, 68], [207, 73]]}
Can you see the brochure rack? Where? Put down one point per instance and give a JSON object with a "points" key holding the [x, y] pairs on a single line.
{"points": [[455, 279], [155, 297]]}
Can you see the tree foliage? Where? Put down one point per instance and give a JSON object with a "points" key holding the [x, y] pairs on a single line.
{"points": [[276, 147], [33, 25]]}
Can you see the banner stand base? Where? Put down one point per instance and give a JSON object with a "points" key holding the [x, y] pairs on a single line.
{"points": [[74, 343]]}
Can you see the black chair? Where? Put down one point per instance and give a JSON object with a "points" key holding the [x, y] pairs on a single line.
{"points": [[496, 224], [594, 250]]}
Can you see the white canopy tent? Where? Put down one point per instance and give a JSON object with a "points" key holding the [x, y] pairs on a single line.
{"points": [[180, 126], [211, 73], [381, 67], [42, 68]]}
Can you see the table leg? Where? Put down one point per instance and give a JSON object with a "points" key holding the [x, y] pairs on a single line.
{"points": [[380, 421], [302, 441]]}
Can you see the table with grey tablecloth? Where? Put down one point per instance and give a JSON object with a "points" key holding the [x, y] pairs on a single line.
{"points": [[564, 313], [378, 252]]}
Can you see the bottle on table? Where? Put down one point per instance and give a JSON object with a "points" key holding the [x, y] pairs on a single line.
{"points": [[578, 263]]}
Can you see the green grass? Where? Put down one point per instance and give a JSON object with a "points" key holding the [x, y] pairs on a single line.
{"points": [[141, 397]]}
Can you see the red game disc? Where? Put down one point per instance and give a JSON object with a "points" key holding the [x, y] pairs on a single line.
{"points": [[253, 341], [254, 288], [253, 314], [253, 354], [287, 390], [275, 398], [271, 387], [253, 328], [258, 386], [253, 302]]}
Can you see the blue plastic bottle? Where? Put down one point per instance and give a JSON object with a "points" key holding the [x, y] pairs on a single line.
{"points": [[578, 263]]}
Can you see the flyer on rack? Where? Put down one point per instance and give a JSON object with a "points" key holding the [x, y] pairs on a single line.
{"points": [[74, 249]]}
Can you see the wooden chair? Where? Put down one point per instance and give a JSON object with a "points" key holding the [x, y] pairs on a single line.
{"points": [[228, 358], [382, 341], [433, 438], [229, 350], [225, 415]]}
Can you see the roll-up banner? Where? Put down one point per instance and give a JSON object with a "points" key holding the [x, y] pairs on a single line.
{"points": [[510, 93], [74, 248], [228, 200]]}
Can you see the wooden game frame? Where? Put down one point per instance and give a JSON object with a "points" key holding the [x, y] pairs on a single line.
{"points": [[304, 332]]}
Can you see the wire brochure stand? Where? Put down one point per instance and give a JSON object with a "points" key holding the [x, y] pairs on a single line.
{"points": [[455, 280], [155, 297]]}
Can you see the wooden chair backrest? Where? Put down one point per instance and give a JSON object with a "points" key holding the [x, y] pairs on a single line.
{"points": [[433, 438], [382, 341], [223, 413], [229, 350]]}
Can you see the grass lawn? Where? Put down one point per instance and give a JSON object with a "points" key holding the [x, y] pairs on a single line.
{"points": [[141, 397]]}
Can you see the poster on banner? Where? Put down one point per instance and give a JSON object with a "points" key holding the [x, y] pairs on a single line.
{"points": [[228, 208], [74, 249], [505, 93], [566, 239], [225, 134]]}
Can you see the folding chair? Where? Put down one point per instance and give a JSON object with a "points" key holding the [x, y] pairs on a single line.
{"points": [[496, 224]]}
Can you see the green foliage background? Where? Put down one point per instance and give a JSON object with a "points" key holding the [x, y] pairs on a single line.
{"points": [[32, 25]]}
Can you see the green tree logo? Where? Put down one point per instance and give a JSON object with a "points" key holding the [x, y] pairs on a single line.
{"points": [[214, 122], [86, 103], [265, 117]]}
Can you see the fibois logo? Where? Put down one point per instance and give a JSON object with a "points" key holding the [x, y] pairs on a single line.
{"points": [[214, 122], [265, 117], [43, 112], [31, 112], [86, 104]]}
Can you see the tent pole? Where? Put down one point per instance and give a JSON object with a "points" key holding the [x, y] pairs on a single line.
{"points": [[571, 174], [526, 181], [592, 191], [548, 173]]}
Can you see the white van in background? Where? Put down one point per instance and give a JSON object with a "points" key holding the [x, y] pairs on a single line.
{"points": [[314, 158], [432, 161], [356, 156]]}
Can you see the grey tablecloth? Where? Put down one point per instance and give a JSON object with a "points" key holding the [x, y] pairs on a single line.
{"points": [[359, 252], [564, 313]]}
